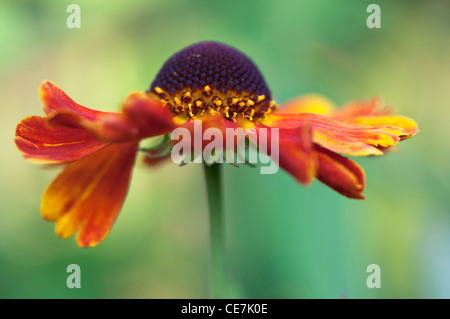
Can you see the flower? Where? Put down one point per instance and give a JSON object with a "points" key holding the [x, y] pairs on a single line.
{"points": [[221, 87]]}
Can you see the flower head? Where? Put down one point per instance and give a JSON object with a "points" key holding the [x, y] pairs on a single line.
{"points": [[208, 79], [212, 83]]}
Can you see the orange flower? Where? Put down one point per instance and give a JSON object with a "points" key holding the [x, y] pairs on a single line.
{"points": [[221, 87]]}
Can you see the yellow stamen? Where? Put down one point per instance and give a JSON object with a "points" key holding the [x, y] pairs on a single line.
{"points": [[177, 101], [217, 102], [260, 98], [190, 110], [212, 111], [252, 112]]}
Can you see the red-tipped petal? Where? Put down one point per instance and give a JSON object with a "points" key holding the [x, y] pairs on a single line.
{"points": [[341, 136], [372, 113], [143, 116], [56, 100], [43, 143], [408, 125], [108, 128], [88, 194], [340, 173], [63, 111]]}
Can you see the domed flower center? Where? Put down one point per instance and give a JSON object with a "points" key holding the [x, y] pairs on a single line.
{"points": [[210, 78]]}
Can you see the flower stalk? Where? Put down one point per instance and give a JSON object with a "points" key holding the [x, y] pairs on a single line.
{"points": [[213, 177]]}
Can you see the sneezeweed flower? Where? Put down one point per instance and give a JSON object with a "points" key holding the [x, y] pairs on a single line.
{"points": [[217, 85]]}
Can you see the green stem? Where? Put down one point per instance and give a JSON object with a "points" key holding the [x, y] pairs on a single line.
{"points": [[213, 175]]}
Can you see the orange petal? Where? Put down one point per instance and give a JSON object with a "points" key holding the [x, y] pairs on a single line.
{"points": [[142, 117], [372, 113], [56, 100], [296, 155], [216, 122], [88, 194], [340, 173], [63, 111], [148, 114], [341, 136], [42, 143], [108, 128], [408, 125], [308, 104]]}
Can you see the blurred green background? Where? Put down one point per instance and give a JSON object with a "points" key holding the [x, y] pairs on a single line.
{"points": [[284, 240]]}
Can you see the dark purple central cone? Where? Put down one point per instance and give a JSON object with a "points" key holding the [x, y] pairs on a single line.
{"points": [[212, 64]]}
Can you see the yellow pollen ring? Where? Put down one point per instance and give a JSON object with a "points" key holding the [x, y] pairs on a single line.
{"points": [[207, 101]]}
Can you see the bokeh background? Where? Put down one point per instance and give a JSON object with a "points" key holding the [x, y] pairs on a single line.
{"points": [[284, 240]]}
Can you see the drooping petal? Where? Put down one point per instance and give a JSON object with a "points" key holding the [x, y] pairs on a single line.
{"points": [[295, 152], [63, 111], [340, 173], [88, 194], [142, 117], [107, 128], [53, 144], [312, 103], [56, 100], [341, 136], [293, 147], [219, 124], [148, 114]]}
